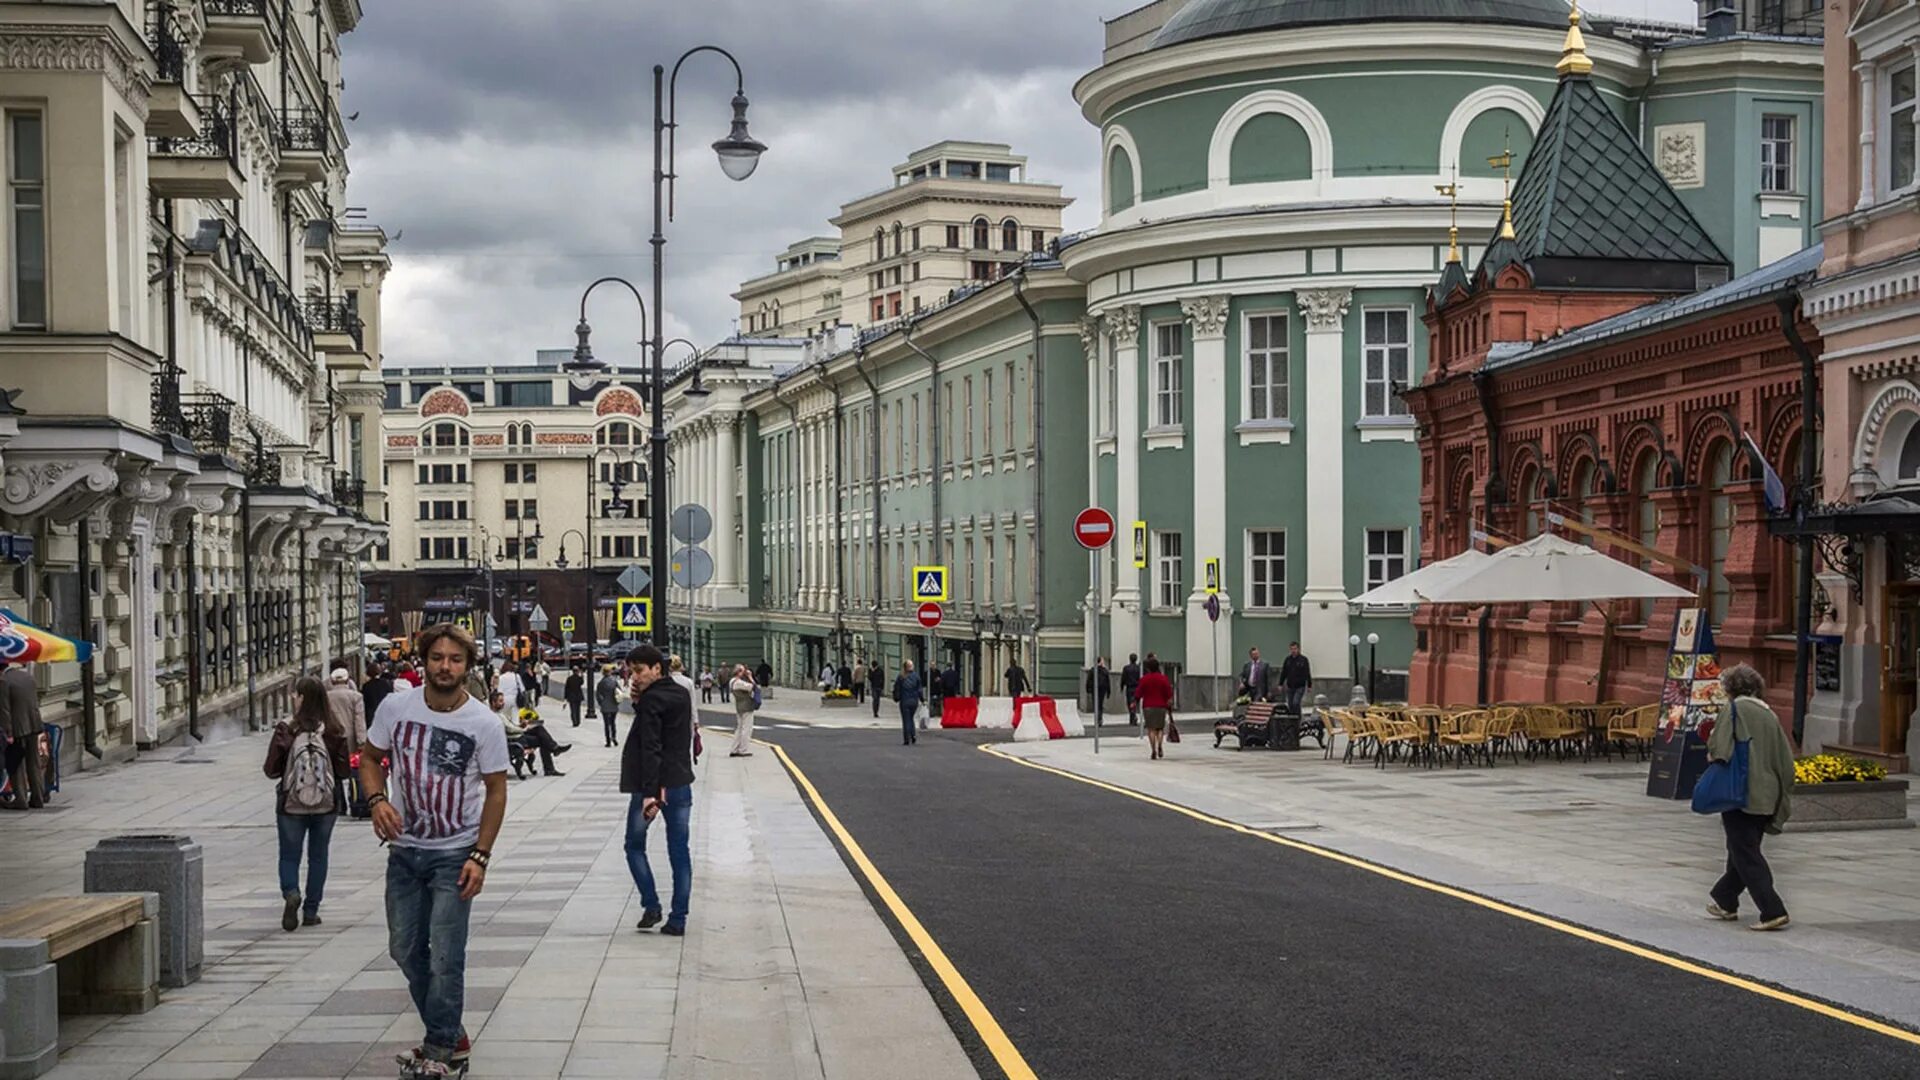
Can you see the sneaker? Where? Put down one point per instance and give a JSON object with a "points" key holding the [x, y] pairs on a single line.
{"points": [[1718, 912], [674, 930], [1778, 923], [290, 915], [649, 918], [310, 919], [418, 1054]]}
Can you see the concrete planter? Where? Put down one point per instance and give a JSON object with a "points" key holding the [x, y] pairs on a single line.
{"points": [[838, 702], [1873, 804]]}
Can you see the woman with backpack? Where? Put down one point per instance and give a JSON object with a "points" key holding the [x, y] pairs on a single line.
{"points": [[306, 755]]}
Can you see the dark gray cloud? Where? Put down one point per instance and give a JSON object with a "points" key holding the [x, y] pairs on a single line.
{"points": [[510, 143]]}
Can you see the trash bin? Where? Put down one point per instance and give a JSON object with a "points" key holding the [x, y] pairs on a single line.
{"points": [[1283, 732], [172, 867]]}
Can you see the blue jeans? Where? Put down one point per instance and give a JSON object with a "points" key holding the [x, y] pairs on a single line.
{"points": [[317, 832], [427, 937], [678, 812], [1294, 694]]}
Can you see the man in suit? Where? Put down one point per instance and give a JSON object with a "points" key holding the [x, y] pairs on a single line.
{"points": [[1130, 686], [1255, 677], [22, 704]]}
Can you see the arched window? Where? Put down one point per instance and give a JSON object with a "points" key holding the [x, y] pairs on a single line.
{"points": [[1010, 235], [1646, 515], [898, 247], [1586, 485], [1533, 488], [879, 243], [618, 433], [447, 435], [1909, 457], [982, 230], [1719, 519]]}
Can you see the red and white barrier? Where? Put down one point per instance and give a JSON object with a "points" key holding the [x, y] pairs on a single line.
{"points": [[1040, 718], [982, 712]]}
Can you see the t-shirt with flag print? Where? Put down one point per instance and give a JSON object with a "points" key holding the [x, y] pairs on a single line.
{"points": [[438, 760]]}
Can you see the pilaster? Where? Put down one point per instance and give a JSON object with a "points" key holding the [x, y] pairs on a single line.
{"points": [[1323, 603], [1123, 325], [1208, 400]]}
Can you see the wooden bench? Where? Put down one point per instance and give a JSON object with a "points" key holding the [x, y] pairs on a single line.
{"points": [[98, 953], [1250, 729]]}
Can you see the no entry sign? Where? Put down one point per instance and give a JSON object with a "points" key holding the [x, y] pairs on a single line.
{"points": [[1093, 528], [930, 615]]}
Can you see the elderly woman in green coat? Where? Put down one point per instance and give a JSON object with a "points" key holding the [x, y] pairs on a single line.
{"points": [[1769, 798]]}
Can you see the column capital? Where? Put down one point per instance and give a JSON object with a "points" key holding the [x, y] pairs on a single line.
{"points": [[1090, 335], [1123, 323], [1325, 309], [1208, 314]]}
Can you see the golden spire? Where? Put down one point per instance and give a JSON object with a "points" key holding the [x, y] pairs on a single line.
{"points": [[1452, 192], [1573, 56], [1504, 162]]}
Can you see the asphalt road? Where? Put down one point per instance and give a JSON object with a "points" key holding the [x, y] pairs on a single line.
{"points": [[1111, 939]]}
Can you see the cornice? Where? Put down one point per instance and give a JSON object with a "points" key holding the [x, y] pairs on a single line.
{"points": [[107, 48], [1331, 224]]}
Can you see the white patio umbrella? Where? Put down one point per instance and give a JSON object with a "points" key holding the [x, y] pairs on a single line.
{"points": [[1549, 568], [1413, 588], [374, 641]]}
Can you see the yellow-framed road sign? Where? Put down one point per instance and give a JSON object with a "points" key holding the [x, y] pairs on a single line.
{"points": [[567, 624], [1139, 545], [633, 614], [1213, 577], [931, 583]]}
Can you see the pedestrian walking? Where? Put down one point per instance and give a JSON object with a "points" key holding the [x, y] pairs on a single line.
{"points": [[449, 795], [576, 692], [706, 686], [347, 708], [826, 678], [1769, 800], [906, 691], [877, 686], [607, 696], [1130, 687], [308, 756], [1099, 684], [764, 676], [858, 679], [379, 685], [409, 674], [1296, 674], [843, 677], [21, 702], [1254, 681], [656, 773], [1017, 680], [742, 690], [951, 683], [1156, 705]]}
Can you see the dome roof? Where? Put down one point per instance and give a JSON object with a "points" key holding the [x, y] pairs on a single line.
{"points": [[1219, 18]]}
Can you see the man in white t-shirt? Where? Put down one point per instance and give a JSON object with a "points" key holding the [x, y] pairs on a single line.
{"points": [[441, 809]]}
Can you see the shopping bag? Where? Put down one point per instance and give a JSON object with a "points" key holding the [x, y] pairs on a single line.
{"points": [[1173, 730], [1723, 786]]}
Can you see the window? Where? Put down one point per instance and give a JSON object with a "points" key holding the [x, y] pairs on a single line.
{"points": [[356, 446], [916, 277], [946, 436], [1010, 235], [393, 396], [1719, 530], [513, 473], [618, 433], [897, 233], [1266, 569], [986, 395], [1169, 343], [1039, 240], [979, 270], [528, 472], [915, 235], [1901, 103], [879, 244], [1113, 386], [513, 509], [966, 441], [953, 236], [1387, 358], [893, 305], [1168, 575], [1007, 373], [1386, 556], [1266, 367], [1776, 153], [1013, 571], [1646, 476], [423, 475], [524, 395], [982, 231], [967, 589], [426, 548], [27, 218]]}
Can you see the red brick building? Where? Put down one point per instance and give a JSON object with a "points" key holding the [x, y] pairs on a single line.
{"points": [[1589, 367]]}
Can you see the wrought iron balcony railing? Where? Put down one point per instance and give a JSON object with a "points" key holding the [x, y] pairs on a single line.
{"points": [[334, 314], [349, 494], [303, 130], [210, 421], [237, 8], [170, 56], [169, 416], [218, 137]]}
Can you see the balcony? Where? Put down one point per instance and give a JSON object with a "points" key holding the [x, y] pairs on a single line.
{"points": [[202, 166], [304, 145], [169, 412], [242, 28], [350, 494], [171, 111], [336, 325], [209, 418]]}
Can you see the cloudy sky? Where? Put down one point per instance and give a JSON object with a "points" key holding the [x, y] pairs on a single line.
{"points": [[507, 144]]}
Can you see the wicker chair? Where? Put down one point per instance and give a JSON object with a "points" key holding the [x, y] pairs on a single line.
{"points": [[1554, 728], [1635, 728], [1471, 735]]}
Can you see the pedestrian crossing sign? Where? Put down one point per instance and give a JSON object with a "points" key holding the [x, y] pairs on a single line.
{"points": [[633, 614], [1139, 545], [930, 584], [464, 622], [567, 624], [1213, 577]]}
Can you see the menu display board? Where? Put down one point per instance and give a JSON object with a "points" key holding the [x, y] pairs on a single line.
{"points": [[1690, 697]]}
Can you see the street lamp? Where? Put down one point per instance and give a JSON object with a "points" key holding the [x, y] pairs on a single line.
{"points": [[1353, 648], [1373, 667]]}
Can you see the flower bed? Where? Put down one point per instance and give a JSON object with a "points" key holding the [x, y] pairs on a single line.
{"points": [[837, 698], [1832, 793]]}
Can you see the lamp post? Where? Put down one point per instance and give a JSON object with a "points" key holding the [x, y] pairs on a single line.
{"points": [[486, 567], [1353, 651], [1373, 667], [560, 563], [739, 155]]}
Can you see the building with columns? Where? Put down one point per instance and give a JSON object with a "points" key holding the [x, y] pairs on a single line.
{"points": [[1280, 184], [189, 342]]}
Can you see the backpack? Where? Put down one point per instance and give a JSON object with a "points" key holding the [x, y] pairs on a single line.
{"points": [[308, 782], [756, 697]]}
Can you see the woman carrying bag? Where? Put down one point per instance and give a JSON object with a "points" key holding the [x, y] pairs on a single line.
{"points": [[1749, 783], [307, 755], [1155, 693]]}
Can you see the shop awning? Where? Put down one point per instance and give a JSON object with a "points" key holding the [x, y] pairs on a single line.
{"points": [[21, 642], [1877, 517]]}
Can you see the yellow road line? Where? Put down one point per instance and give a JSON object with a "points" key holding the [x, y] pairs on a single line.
{"points": [[997, 1043], [1581, 932]]}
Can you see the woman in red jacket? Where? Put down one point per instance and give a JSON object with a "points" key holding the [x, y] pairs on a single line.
{"points": [[1156, 702]]}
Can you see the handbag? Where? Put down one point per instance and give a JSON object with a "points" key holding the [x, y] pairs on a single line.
{"points": [[1173, 730], [1723, 786]]}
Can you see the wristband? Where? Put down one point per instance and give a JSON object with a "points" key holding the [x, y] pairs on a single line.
{"points": [[481, 856], [376, 798]]}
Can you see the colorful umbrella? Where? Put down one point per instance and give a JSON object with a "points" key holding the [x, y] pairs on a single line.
{"points": [[22, 642]]}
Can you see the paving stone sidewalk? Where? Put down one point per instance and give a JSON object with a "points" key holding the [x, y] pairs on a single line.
{"points": [[1581, 841], [786, 971]]}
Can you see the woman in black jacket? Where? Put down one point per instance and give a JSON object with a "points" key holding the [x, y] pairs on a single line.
{"points": [[302, 819]]}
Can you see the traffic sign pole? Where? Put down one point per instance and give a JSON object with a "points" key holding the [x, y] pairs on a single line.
{"points": [[1093, 529]]}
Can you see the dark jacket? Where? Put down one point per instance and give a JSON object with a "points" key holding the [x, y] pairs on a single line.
{"points": [[763, 674], [1256, 684], [906, 688], [281, 745], [375, 692], [659, 750], [22, 703], [607, 691], [844, 677], [576, 688], [950, 685], [1129, 678], [1016, 681], [877, 678], [1295, 672], [1106, 680]]}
